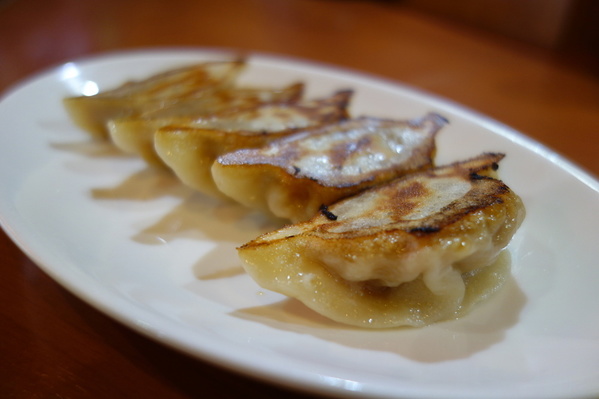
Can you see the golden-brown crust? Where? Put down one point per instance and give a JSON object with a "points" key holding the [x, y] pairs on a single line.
{"points": [[340, 143], [390, 207], [91, 113], [135, 134], [397, 254], [293, 176], [179, 83], [412, 192], [191, 149]]}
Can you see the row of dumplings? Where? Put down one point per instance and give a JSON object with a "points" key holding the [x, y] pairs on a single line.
{"points": [[267, 148], [381, 238]]}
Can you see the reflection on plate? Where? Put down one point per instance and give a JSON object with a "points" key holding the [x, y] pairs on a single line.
{"points": [[139, 246]]}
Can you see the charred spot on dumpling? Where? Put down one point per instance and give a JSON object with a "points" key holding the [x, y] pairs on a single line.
{"points": [[425, 229], [476, 176], [328, 214]]}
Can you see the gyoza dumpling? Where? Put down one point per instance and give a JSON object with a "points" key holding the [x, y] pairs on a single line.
{"points": [[135, 134], [190, 150], [294, 176], [91, 113], [420, 249]]}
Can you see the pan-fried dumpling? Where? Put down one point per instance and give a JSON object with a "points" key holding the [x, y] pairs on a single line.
{"points": [[91, 113], [135, 134], [292, 177], [190, 150], [420, 249]]}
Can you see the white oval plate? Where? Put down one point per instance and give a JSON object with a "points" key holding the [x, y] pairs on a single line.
{"points": [[140, 247]]}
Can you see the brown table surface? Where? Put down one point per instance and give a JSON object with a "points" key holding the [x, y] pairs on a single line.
{"points": [[54, 345]]}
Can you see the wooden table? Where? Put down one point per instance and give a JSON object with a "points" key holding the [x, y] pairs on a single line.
{"points": [[54, 345]]}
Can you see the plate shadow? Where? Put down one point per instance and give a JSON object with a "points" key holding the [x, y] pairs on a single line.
{"points": [[482, 328]]}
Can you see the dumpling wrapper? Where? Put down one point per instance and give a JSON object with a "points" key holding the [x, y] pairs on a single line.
{"points": [[91, 113], [135, 134], [292, 177], [418, 250], [191, 149]]}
